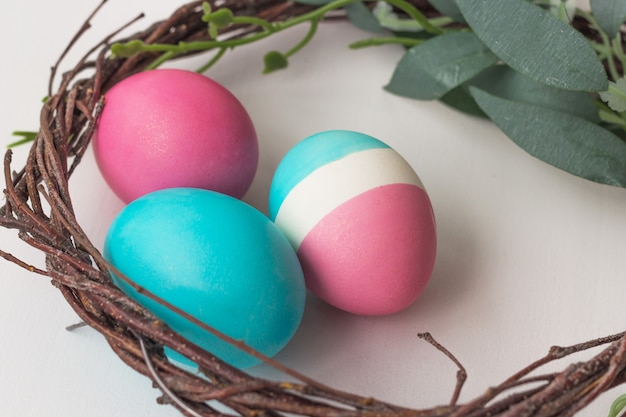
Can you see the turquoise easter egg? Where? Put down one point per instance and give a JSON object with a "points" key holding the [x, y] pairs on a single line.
{"points": [[216, 258]]}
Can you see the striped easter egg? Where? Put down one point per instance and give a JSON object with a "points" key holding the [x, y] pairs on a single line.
{"points": [[360, 220]]}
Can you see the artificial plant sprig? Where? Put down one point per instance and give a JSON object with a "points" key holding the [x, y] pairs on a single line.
{"points": [[537, 76], [222, 18], [275, 60], [452, 53], [561, 64]]}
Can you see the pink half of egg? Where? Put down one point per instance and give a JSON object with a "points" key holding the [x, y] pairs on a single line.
{"points": [[373, 254], [174, 128]]}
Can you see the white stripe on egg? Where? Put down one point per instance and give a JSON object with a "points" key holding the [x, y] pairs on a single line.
{"points": [[334, 183]]}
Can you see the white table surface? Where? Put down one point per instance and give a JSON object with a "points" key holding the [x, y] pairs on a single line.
{"points": [[528, 256]]}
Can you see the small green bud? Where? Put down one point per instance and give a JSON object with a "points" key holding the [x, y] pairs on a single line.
{"points": [[274, 60]]}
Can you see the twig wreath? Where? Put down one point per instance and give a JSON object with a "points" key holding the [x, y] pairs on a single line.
{"points": [[580, 86]]}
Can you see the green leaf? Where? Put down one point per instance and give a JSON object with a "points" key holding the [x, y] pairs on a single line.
{"points": [[615, 96], [609, 14], [25, 137], [535, 43], [504, 82], [448, 8], [221, 18], [362, 17], [565, 141], [274, 61], [460, 99], [431, 69], [206, 9]]}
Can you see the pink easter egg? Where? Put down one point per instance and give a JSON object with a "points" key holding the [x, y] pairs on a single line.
{"points": [[360, 220], [171, 128]]}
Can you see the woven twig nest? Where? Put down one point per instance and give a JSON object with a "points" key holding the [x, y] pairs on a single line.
{"points": [[39, 206]]}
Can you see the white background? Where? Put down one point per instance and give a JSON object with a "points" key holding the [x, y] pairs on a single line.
{"points": [[528, 256]]}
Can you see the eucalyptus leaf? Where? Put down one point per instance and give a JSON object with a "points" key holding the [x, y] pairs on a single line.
{"points": [[448, 8], [362, 17], [535, 43], [460, 99], [609, 14], [504, 82], [565, 141], [431, 69]]}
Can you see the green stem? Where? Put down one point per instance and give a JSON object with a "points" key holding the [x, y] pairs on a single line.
{"points": [[170, 51], [212, 62], [162, 59], [384, 41], [611, 62], [252, 20], [412, 26], [605, 49], [314, 16], [607, 115], [618, 51], [618, 405], [307, 38], [418, 16]]}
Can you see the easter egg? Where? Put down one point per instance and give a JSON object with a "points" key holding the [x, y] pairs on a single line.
{"points": [[360, 220], [216, 258], [171, 128]]}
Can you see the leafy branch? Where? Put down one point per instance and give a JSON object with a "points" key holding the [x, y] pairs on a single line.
{"points": [[562, 65], [223, 18], [533, 53]]}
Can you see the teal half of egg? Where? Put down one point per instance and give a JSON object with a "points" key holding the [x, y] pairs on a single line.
{"points": [[216, 258], [311, 153]]}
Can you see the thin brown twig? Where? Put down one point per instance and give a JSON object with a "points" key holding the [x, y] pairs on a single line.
{"points": [[461, 374], [86, 25]]}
